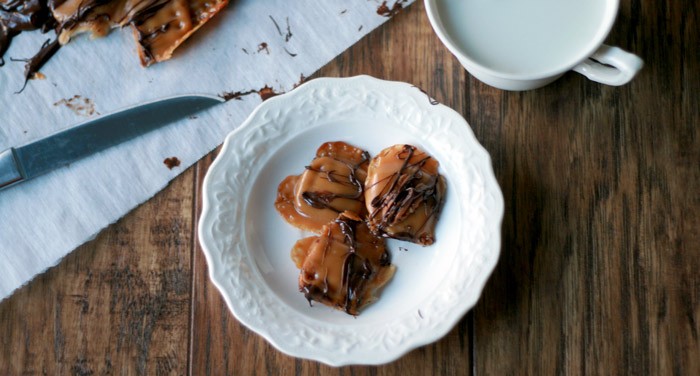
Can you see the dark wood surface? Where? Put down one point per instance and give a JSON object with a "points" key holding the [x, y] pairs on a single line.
{"points": [[600, 265]]}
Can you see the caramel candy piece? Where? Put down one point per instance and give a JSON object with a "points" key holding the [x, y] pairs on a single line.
{"points": [[344, 267], [331, 184], [96, 17], [404, 194], [159, 26], [160, 33]]}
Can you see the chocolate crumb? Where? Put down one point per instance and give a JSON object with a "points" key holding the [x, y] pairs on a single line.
{"points": [[430, 99], [267, 93], [402, 249], [246, 51], [171, 162], [384, 10], [343, 11], [302, 79], [360, 28], [228, 95], [263, 47]]}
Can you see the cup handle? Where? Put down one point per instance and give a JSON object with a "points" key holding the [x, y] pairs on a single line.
{"points": [[611, 66]]}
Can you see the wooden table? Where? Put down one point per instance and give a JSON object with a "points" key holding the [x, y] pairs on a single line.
{"points": [[600, 264]]}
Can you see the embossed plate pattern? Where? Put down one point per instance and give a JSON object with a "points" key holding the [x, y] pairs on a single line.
{"points": [[247, 243]]}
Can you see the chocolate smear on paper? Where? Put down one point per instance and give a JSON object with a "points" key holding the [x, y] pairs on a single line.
{"points": [[228, 95], [266, 92], [79, 105]]}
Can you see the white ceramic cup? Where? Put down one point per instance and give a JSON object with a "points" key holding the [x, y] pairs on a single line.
{"points": [[526, 44]]}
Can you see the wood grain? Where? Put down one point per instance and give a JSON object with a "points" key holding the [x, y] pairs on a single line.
{"points": [[599, 271], [119, 304]]}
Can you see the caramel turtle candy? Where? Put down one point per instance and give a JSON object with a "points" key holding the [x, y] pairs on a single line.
{"points": [[345, 267], [333, 183], [404, 194]]}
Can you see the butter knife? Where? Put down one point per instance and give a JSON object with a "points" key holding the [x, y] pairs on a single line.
{"points": [[18, 164]]}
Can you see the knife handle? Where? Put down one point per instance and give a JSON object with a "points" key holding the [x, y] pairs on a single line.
{"points": [[9, 169]]}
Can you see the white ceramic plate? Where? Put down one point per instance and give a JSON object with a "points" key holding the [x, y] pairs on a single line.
{"points": [[247, 243]]}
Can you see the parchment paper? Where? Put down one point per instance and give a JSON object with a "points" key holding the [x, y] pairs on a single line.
{"points": [[240, 50]]}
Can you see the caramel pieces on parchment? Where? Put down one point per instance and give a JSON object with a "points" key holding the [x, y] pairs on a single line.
{"points": [[159, 26]]}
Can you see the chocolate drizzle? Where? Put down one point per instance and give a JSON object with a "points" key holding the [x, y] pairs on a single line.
{"points": [[33, 64], [404, 204], [323, 200], [346, 265], [84, 9], [332, 183], [6, 36], [364, 263], [147, 12]]}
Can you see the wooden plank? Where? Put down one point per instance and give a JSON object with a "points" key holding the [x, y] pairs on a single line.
{"points": [[599, 266], [119, 304], [405, 49]]}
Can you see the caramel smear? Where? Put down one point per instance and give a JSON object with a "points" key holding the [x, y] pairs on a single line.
{"points": [[331, 184], [344, 267], [404, 194]]}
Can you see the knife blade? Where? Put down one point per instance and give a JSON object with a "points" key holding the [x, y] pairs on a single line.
{"points": [[18, 164]]}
